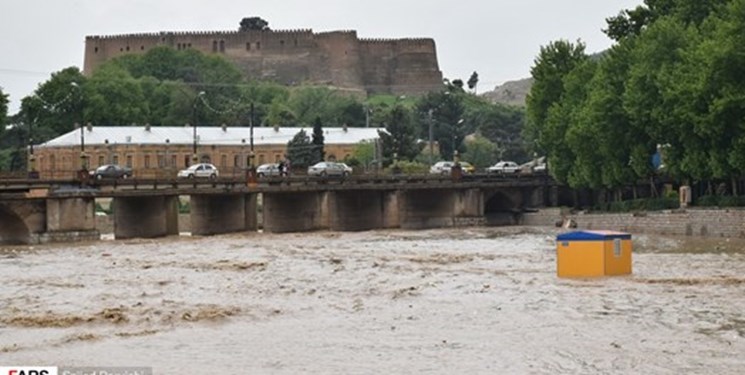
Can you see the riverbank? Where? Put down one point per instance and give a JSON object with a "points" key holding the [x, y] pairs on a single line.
{"points": [[724, 223]]}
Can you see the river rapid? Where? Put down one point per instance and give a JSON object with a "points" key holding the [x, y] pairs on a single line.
{"points": [[449, 301]]}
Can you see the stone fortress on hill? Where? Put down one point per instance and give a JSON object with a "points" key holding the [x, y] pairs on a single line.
{"points": [[337, 58]]}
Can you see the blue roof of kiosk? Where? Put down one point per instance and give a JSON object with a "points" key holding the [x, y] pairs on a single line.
{"points": [[592, 235]]}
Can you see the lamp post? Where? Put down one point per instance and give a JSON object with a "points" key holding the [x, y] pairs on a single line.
{"points": [[431, 140], [251, 172], [32, 173], [455, 140], [195, 118]]}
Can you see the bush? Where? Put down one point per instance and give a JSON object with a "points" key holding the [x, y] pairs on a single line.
{"points": [[408, 167], [184, 207], [708, 201], [649, 204]]}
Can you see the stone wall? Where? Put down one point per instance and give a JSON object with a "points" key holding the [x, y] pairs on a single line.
{"points": [[336, 58], [690, 222]]}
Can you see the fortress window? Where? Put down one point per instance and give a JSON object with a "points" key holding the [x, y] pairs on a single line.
{"points": [[142, 48], [248, 46], [281, 43], [178, 46], [258, 45], [127, 48], [222, 46], [121, 49], [189, 45], [95, 50], [295, 42], [214, 46]]}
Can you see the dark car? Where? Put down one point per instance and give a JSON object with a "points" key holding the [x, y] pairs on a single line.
{"points": [[111, 171]]}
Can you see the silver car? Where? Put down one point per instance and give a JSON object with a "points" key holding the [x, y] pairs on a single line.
{"points": [[199, 170], [329, 168], [269, 170]]}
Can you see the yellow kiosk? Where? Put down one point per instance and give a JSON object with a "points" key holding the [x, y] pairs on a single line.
{"points": [[593, 253]]}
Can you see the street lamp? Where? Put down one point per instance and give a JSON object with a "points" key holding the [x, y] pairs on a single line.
{"points": [[455, 139], [431, 141], [194, 157]]}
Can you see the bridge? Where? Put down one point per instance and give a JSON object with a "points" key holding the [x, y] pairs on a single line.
{"points": [[40, 211]]}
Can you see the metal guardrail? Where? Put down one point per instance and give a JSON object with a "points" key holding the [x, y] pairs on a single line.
{"points": [[148, 186]]}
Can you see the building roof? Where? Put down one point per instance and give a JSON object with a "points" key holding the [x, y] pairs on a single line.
{"points": [[593, 235], [213, 135]]}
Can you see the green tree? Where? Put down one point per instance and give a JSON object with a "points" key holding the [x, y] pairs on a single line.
{"points": [[113, 97], [253, 24], [552, 65], [473, 81], [502, 125], [317, 141], [400, 137], [481, 152], [444, 111], [56, 105], [300, 150], [3, 110]]}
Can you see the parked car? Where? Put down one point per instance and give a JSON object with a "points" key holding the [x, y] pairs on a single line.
{"points": [[269, 170], [441, 167], [539, 168], [199, 170], [329, 168], [346, 168], [504, 167], [467, 167], [111, 171]]}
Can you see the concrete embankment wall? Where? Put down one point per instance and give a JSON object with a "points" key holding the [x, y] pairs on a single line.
{"points": [[690, 222]]}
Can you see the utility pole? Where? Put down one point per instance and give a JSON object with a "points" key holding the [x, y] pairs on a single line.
{"points": [[195, 118], [431, 140]]}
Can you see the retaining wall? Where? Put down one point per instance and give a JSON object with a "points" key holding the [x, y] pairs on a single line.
{"points": [[689, 222]]}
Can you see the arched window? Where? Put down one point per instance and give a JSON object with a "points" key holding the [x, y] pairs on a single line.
{"points": [[248, 46], [222, 46], [258, 45], [214, 46]]}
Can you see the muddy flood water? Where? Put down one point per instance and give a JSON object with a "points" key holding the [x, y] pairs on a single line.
{"points": [[451, 301]]}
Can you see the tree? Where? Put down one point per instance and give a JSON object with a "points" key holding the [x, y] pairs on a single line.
{"points": [[115, 98], [473, 81], [56, 105], [481, 152], [400, 137], [3, 110], [254, 24], [318, 153], [300, 150], [554, 62], [501, 125], [444, 112]]}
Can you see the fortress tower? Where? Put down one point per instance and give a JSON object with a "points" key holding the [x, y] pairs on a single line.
{"points": [[337, 58]]}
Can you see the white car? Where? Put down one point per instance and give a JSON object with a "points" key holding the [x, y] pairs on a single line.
{"points": [[504, 167], [270, 169], [329, 168], [441, 167], [205, 170]]}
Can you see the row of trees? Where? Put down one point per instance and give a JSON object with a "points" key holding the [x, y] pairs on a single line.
{"points": [[674, 80], [169, 87]]}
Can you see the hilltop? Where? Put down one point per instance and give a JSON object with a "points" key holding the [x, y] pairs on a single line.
{"points": [[511, 92]]}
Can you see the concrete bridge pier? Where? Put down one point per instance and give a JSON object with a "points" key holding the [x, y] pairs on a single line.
{"points": [[426, 208], [219, 214], [145, 217], [295, 211], [359, 210], [70, 219]]}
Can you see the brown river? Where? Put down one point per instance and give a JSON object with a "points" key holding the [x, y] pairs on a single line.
{"points": [[450, 301]]}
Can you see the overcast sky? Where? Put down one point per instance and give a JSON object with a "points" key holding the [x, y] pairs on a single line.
{"points": [[496, 38]]}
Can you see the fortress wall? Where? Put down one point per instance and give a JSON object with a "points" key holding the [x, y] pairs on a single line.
{"points": [[341, 56], [401, 66], [378, 65], [337, 58]]}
